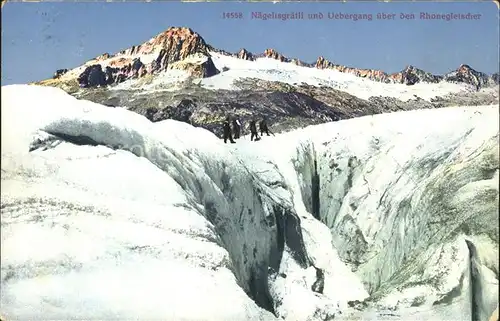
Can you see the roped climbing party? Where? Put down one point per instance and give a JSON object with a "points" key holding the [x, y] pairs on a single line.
{"points": [[232, 129]]}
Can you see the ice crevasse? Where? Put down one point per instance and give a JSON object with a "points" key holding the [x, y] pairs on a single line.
{"points": [[107, 215]]}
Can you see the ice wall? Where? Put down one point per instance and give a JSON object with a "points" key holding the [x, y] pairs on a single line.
{"points": [[243, 197], [395, 212], [406, 201]]}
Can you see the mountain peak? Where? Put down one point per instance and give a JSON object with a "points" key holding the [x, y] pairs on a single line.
{"points": [[164, 51], [182, 38], [176, 32], [244, 54], [467, 74], [323, 63], [464, 67], [272, 53], [411, 75]]}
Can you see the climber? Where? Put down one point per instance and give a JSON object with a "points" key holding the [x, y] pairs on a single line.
{"points": [[236, 128], [227, 131], [253, 130], [263, 127]]}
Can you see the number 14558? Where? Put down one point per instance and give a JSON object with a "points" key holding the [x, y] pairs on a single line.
{"points": [[232, 15]]}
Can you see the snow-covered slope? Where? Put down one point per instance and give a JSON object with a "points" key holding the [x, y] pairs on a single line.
{"points": [[111, 216], [275, 70]]}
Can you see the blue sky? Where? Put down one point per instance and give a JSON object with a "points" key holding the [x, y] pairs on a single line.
{"points": [[38, 38]]}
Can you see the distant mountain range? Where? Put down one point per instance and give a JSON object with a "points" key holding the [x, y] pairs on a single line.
{"points": [[177, 75], [184, 49]]}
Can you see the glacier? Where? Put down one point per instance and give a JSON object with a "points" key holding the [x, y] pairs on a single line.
{"points": [[106, 215]]}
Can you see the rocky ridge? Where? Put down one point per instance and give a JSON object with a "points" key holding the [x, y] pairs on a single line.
{"points": [[410, 75], [176, 48], [167, 49]]}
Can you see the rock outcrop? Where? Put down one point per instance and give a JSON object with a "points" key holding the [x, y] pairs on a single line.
{"points": [[95, 76], [411, 75], [197, 65], [495, 78], [92, 76], [244, 54], [300, 63], [104, 56], [322, 63], [372, 74], [268, 53], [59, 73], [271, 53]]}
